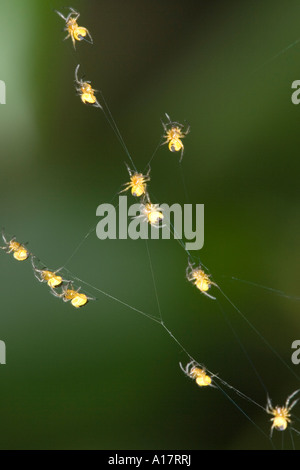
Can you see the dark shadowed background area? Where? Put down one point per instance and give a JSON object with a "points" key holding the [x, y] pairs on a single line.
{"points": [[105, 377]]}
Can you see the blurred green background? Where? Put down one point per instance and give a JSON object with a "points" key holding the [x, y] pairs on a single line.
{"points": [[105, 377]]}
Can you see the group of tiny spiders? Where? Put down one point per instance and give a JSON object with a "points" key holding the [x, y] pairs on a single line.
{"points": [[138, 183], [153, 214], [45, 275], [281, 415], [174, 132]]}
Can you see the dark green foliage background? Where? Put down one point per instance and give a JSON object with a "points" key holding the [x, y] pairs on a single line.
{"points": [[105, 377]]}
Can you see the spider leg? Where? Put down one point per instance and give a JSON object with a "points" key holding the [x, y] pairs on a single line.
{"points": [[290, 397], [190, 266], [74, 12], [146, 198], [296, 431], [90, 40], [91, 298], [58, 270], [293, 404], [148, 173], [157, 224], [61, 15], [164, 126], [187, 129], [125, 189], [181, 155], [97, 105], [192, 363], [4, 237], [269, 406], [128, 169], [8, 242], [56, 294], [37, 276], [168, 117], [208, 295], [73, 40], [35, 269], [76, 75]]}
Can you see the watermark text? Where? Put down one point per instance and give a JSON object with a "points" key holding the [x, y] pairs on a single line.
{"points": [[296, 354], [2, 92], [2, 353], [179, 222]]}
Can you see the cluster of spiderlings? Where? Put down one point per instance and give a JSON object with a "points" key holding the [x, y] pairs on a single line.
{"points": [[78, 33], [137, 184], [68, 293], [152, 213], [52, 278]]}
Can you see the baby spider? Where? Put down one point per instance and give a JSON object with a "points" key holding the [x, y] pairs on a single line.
{"points": [[69, 293], [44, 275], [20, 253], [201, 280], [173, 134], [137, 183], [194, 372], [77, 33], [87, 93], [281, 415], [151, 213]]}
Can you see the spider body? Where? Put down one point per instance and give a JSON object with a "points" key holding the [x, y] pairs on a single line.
{"points": [[45, 275], [77, 33], [76, 298], [281, 414], [198, 374], [85, 90], [174, 132], [152, 213], [200, 279], [137, 183], [20, 252]]}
